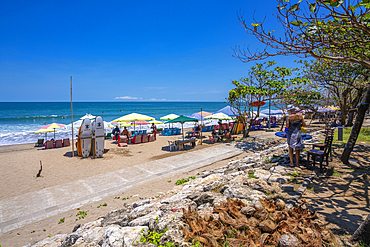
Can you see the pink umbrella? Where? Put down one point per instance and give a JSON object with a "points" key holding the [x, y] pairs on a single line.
{"points": [[53, 126], [140, 122]]}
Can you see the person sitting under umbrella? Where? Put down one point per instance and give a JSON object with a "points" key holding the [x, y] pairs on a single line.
{"points": [[116, 132]]}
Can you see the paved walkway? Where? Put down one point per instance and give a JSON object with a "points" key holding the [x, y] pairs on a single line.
{"points": [[18, 211]]}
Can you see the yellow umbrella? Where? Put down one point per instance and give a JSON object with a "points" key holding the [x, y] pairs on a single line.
{"points": [[132, 117], [53, 126], [44, 131], [169, 117], [155, 122], [333, 108]]}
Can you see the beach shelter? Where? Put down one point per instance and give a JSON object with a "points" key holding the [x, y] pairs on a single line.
{"points": [[44, 131], [197, 116], [182, 119], [204, 113], [219, 116], [133, 117], [228, 110], [52, 126], [169, 117], [140, 122], [155, 122]]}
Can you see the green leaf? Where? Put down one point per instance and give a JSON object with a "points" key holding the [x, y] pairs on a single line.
{"points": [[313, 7], [294, 7], [296, 23], [256, 24]]}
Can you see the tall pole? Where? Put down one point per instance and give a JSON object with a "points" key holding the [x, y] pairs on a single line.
{"points": [[201, 126], [73, 144]]}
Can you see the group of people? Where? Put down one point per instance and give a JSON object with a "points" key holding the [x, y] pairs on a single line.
{"points": [[116, 131]]}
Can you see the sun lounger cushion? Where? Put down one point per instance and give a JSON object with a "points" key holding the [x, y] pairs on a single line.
{"points": [[49, 144], [58, 144]]}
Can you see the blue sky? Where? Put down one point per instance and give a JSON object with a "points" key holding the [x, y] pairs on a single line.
{"points": [[125, 50]]}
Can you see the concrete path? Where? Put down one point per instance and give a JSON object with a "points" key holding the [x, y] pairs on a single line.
{"points": [[19, 211]]}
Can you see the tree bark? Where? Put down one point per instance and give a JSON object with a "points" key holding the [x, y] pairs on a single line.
{"points": [[362, 108], [355, 102], [363, 231]]}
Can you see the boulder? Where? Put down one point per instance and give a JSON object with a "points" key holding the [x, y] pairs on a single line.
{"points": [[113, 237], [116, 217], [174, 199], [271, 177], [267, 187], [131, 235], [92, 235], [288, 240], [243, 192], [70, 240], [54, 241], [144, 220], [178, 205], [202, 198], [283, 170], [172, 236]]}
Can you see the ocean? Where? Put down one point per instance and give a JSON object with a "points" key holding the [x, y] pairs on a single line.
{"points": [[19, 120]]}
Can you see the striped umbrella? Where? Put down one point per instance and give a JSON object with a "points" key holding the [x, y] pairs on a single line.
{"points": [[52, 126]]}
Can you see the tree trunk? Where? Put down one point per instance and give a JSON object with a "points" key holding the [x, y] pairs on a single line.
{"points": [[282, 126], [362, 108], [355, 102], [363, 231]]}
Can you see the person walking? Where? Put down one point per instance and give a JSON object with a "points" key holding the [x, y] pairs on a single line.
{"points": [[294, 137]]}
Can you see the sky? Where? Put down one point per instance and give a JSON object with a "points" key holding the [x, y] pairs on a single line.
{"points": [[126, 50]]}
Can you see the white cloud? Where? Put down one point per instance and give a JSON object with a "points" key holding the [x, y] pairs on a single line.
{"points": [[153, 99], [128, 98]]}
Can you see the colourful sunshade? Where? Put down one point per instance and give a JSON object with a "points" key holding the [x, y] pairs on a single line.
{"points": [[133, 117], [220, 116], [44, 131], [53, 126], [169, 117]]}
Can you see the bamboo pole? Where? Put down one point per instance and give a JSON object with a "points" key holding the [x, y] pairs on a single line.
{"points": [[201, 124], [73, 144]]}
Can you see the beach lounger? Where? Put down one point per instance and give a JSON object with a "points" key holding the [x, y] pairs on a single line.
{"points": [[40, 143], [136, 139], [212, 139], [58, 144], [122, 141], [66, 142], [151, 138], [49, 144], [144, 138]]}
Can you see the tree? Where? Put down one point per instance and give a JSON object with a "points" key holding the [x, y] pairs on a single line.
{"points": [[336, 30], [342, 84], [324, 29], [263, 83]]}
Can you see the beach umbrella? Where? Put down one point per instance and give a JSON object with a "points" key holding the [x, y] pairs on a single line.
{"points": [[257, 103], [155, 122], [133, 117], [44, 131], [204, 113], [333, 108], [220, 116], [53, 126], [228, 110], [169, 117], [197, 116], [182, 119], [140, 122]]}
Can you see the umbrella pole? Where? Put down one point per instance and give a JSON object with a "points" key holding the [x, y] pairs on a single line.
{"points": [[54, 134], [201, 124], [182, 128]]}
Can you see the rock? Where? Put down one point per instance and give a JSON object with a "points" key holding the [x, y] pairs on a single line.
{"points": [[248, 211], [92, 224], [283, 170], [113, 237], [267, 225], [288, 240], [176, 198], [144, 220], [92, 235], [115, 217], [178, 205], [271, 177], [280, 204], [219, 199], [287, 188], [259, 184], [76, 227], [348, 176], [256, 203], [202, 198], [70, 240], [133, 234], [145, 245], [172, 236], [54, 241], [243, 192]]}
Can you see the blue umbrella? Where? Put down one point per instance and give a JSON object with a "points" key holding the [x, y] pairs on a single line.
{"points": [[228, 110], [197, 116]]}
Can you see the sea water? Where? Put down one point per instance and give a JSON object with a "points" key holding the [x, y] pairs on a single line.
{"points": [[19, 120]]}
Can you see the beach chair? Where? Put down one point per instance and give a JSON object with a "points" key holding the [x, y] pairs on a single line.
{"points": [[40, 143], [144, 138], [172, 145], [108, 136], [212, 139], [49, 144], [320, 155], [58, 144], [66, 142], [122, 141], [136, 139]]}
